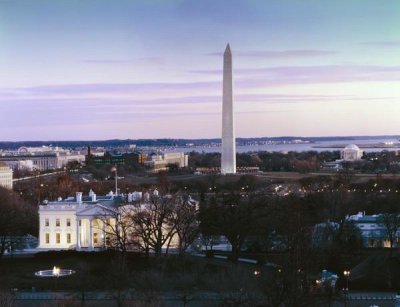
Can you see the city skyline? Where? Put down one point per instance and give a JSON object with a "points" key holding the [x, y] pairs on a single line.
{"points": [[73, 70]]}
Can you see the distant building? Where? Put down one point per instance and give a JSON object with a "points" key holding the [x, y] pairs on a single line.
{"points": [[351, 153], [158, 162], [41, 158], [373, 230], [6, 176], [130, 158], [20, 164]]}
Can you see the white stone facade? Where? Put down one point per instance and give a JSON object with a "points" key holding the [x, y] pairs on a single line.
{"points": [[89, 223], [228, 155], [75, 223], [351, 153], [160, 162], [41, 158], [6, 176]]}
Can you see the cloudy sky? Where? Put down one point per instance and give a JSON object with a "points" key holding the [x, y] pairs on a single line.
{"points": [[101, 69]]}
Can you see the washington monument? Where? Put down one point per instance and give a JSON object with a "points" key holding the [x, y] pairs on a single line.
{"points": [[228, 158]]}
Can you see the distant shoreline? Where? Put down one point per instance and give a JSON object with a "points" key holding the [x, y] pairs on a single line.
{"points": [[378, 145]]}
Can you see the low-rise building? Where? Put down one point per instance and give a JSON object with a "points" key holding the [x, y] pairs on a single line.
{"points": [[20, 164], [6, 176], [41, 158], [75, 222], [373, 230], [158, 162], [91, 222], [104, 158]]}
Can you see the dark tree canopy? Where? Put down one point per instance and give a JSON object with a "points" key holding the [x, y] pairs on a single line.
{"points": [[16, 218]]}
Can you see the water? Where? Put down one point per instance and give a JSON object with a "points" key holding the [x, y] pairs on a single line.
{"points": [[295, 147]]}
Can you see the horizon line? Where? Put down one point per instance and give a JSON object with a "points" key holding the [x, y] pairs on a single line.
{"points": [[215, 138]]}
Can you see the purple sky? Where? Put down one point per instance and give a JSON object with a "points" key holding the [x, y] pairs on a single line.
{"points": [[97, 69]]}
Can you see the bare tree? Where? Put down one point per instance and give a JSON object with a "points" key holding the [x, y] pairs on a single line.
{"points": [[391, 222], [153, 224], [65, 186], [118, 227], [7, 299], [185, 222]]}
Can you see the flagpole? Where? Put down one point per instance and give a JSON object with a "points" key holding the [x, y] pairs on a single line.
{"points": [[116, 180]]}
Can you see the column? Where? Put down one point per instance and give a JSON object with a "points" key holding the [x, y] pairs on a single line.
{"points": [[104, 233], [78, 239], [90, 234]]}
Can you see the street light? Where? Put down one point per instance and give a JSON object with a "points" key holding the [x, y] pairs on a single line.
{"points": [[346, 275], [114, 169], [40, 191]]}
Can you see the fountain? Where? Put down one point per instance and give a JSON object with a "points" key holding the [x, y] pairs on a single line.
{"points": [[55, 272]]}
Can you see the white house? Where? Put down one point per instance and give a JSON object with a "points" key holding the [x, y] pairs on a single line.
{"points": [[90, 222], [76, 222]]}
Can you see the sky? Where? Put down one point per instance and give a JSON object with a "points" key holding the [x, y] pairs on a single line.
{"points": [[101, 69]]}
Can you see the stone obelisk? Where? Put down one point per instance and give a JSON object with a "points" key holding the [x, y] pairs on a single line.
{"points": [[228, 158]]}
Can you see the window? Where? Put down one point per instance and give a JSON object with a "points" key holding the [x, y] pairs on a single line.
{"points": [[47, 238], [68, 238], [68, 222], [46, 223], [95, 241], [58, 238], [57, 222]]}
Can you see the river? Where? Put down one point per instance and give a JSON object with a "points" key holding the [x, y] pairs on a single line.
{"points": [[286, 147]]}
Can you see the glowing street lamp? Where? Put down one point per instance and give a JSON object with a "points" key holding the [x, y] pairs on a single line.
{"points": [[114, 169], [346, 274]]}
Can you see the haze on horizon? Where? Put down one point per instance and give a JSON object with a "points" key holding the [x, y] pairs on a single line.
{"points": [[96, 69]]}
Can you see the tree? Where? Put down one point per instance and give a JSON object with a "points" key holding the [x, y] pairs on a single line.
{"points": [[391, 222], [162, 182], [231, 216], [118, 227], [16, 218], [153, 224], [65, 186], [185, 221]]}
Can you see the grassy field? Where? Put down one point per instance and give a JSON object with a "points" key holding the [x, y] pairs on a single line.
{"points": [[105, 271]]}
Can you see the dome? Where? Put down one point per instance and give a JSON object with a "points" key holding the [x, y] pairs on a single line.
{"points": [[351, 147]]}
